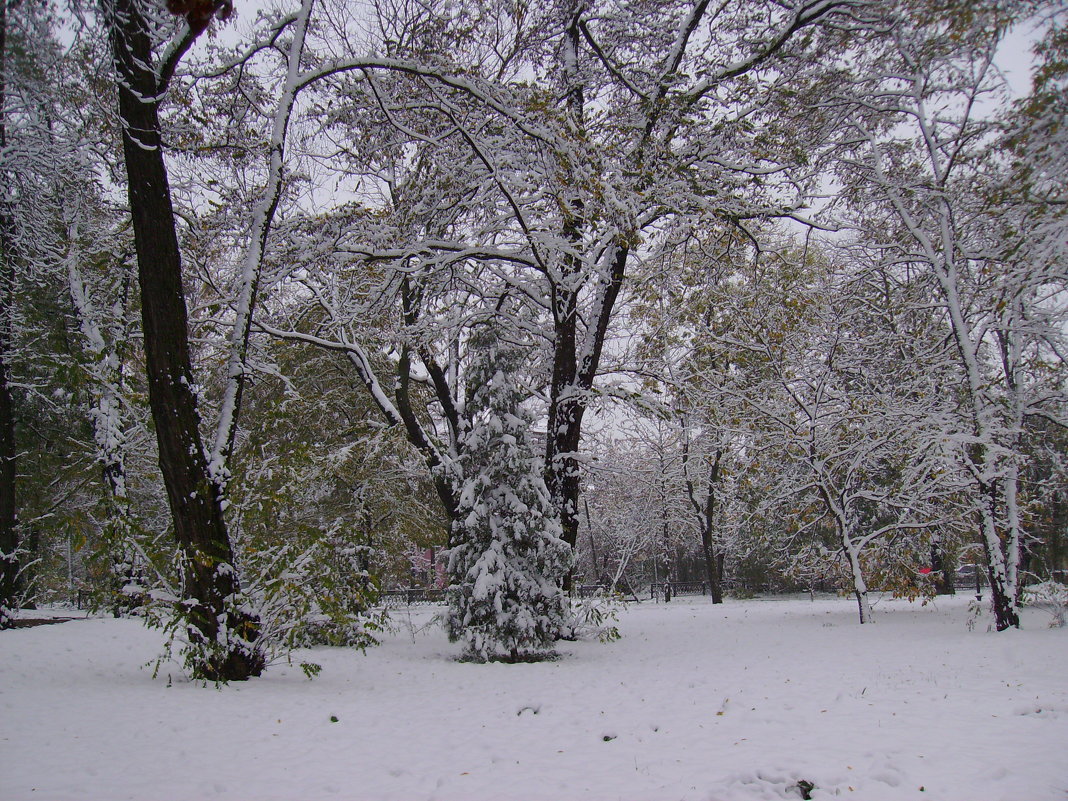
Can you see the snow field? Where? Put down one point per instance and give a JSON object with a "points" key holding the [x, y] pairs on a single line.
{"points": [[696, 701]]}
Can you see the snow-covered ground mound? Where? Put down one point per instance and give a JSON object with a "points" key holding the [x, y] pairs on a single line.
{"points": [[741, 701]]}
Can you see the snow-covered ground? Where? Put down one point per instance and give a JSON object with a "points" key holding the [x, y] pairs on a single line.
{"points": [[739, 701]]}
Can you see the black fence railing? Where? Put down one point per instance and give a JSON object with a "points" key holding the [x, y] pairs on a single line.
{"points": [[412, 596], [666, 590], [591, 590], [970, 577], [964, 579]]}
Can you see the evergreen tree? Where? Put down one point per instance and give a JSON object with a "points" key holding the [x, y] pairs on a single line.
{"points": [[505, 601]]}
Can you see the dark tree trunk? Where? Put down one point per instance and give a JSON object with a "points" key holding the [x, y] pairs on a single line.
{"points": [[573, 374], [942, 568], [1005, 615], [444, 483], [1003, 604], [711, 566], [706, 515], [9, 540], [209, 581], [708, 545], [566, 409], [576, 350]]}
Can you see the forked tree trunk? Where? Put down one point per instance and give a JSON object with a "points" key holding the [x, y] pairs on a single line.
{"points": [[706, 516], [575, 366], [845, 528], [1002, 592], [1001, 565], [209, 581]]}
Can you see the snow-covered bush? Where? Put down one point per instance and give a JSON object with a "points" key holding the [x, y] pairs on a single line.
{"points": [[319, 594], [1050, 596], [594, 618], [505, 602], [313, 591]]}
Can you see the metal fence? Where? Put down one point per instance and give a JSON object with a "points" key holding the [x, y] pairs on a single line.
{"points": [[591, 590], [666, 590], [412, 596], [969, 577]]}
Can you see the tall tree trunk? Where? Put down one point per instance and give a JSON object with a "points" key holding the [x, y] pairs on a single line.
{"points": [[574, 370], [706, 515], [9, 541], [566, 410], [941, 568], [709, 555], [210, 583]]}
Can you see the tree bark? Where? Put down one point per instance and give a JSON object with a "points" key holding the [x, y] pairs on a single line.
{"points": [[566, 410], [209, 581]]}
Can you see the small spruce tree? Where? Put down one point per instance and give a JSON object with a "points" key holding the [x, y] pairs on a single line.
{"points": [[505, 601]]}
